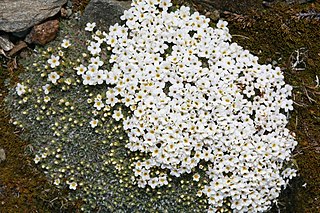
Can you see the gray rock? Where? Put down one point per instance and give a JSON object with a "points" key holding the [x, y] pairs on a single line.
{"points": [[2, 155], [104, 12], [5, 43], [19, 15]]}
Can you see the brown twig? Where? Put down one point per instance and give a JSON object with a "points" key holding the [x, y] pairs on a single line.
{"points": [[309, 98]]}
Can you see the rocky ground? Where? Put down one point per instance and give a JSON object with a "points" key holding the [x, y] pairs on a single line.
{"points": [[282, 32]]}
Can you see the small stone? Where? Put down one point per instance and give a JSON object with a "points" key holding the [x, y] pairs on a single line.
{"points": [[65, 13], [21, 45], [43, 33], [2, 155], [5, 43]]}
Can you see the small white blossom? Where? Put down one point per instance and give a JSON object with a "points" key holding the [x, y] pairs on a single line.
{"points": [[73, 185], [57, 182], [81, 70], [54, 61], [90, 26], [196, 177], [65, 43], [46, 99], [20, 89], [94, 123], [94, 48], [37, 159], [53, 77], [117, 115], [98, 104], [46, 89]]}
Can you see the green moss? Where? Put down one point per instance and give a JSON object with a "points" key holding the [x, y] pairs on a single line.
{"points": [[23, 188]]}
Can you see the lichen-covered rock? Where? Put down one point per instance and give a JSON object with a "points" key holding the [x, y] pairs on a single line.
{"points": [[19, 15], [104, 12]]}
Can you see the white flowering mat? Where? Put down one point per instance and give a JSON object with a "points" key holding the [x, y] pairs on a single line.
{"points": [[190, 110]]}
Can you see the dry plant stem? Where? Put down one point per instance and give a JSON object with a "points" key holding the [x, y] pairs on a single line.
{"points": [[241, 36], [309, 98]]}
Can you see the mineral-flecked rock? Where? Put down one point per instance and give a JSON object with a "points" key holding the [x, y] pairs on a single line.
{"points": [[19, 15], [43, 33]]}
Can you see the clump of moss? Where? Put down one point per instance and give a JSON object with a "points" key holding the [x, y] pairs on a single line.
{"points": [[92, 164], [23, 188]]}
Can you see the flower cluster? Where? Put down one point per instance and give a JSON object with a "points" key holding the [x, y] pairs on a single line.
{"points": [[194, 107], [196, 97]]}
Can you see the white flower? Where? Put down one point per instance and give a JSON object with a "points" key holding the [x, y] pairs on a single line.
{"points": [[60, 53], [37, 159], [46, 89], [53, 77], [100, 76], [289, 173], [94, 123], [196, 177], [54, 61], [57, 182], [46, 99], [98, 104], [94, 48], [81, 70], [20, 89], [287, 105], [112, 100], [73, 185], [153, 182], [88, 79], [90, 26], [96, 61], [237, 205], [65, 43], [222, 24], [117, 115]]}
